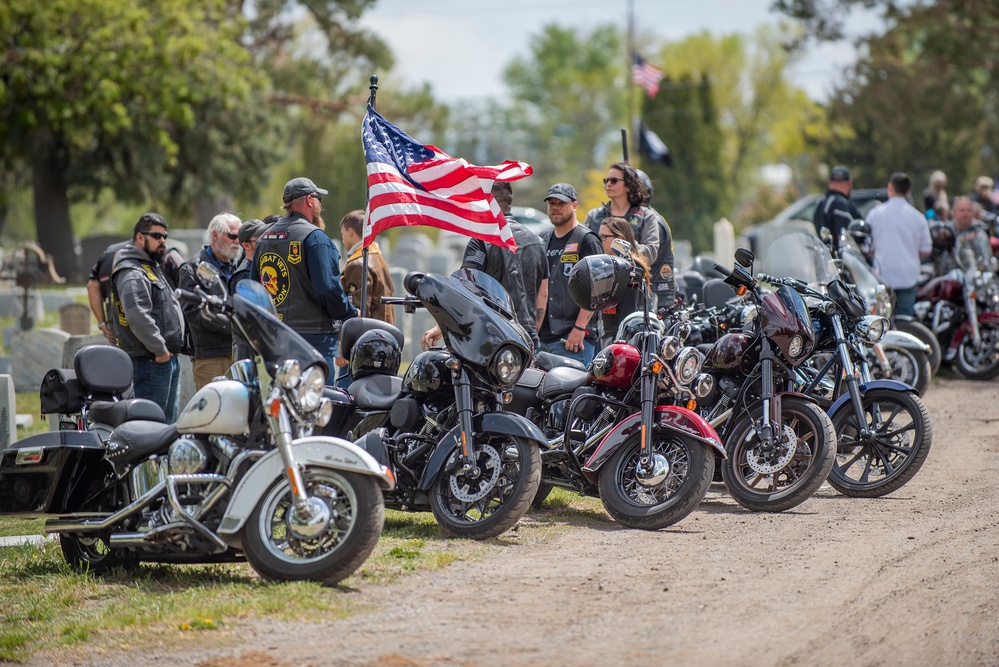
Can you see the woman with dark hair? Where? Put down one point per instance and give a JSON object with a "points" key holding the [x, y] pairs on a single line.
{"points": [[618, 228]]}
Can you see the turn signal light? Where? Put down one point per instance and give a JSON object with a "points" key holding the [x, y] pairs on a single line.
{"points": [[691, 404], [276, 408], [657, 367], [742, 290]]}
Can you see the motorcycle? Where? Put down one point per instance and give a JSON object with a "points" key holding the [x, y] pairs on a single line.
{"points": [[240, 474], [613, 431], [441, 429], [780, 444]]}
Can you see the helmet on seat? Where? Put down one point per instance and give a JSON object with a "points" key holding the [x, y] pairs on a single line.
{"points": [[376, 352], [599, 281], [942, 235], [859, 230]]}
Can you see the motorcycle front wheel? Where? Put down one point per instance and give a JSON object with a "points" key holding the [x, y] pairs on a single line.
{"points": [[665, 495], [911, 367], [491, 498], [788, 475], [281, 548], [892, 455], [983, 363]]}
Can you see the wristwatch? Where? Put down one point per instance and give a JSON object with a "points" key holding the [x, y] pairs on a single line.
{"points": [[102, 325]]}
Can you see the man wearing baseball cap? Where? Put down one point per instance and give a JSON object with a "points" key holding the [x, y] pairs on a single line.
{"points": [[565, 328], [835, 211], [299, 265]]}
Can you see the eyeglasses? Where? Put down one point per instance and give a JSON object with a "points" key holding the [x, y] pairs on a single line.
{"points": [[234, 237], [604, 237], [612, 180], [159, 236], [316, 195]]}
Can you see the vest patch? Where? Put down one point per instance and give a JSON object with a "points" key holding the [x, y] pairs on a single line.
{"points": [[150, 273], [295, 252], [573, 258], [275, 276]]}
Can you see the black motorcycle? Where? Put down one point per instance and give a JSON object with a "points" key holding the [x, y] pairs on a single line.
{"points": [[441, 428]]}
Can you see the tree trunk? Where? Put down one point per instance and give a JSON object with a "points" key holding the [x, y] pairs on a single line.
{"points": [[53, 227]]}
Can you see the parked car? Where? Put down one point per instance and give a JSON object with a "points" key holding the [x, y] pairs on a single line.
{"points": [[531, 218]]}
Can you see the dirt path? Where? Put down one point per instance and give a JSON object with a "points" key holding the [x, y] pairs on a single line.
{"points": [[912, 579]]}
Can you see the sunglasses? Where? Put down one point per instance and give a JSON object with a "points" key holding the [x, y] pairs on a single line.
{"points": [[159, 236], [316, 195], [612, 180], [234, 237]]}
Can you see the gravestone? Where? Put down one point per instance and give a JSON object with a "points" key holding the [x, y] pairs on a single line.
{"points": [[75, 343], [91, 247], [74, 319], [53, 301], [442, 262], [724, 237], [411, 251], [8, 414], [34, 353], [5, 365], [12, 300]]}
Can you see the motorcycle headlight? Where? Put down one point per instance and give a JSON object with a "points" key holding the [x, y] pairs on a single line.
{"points": [[187, 457], [288, 374], [507, 366], [797, 346], [310, 388], [872, 328], [670, 347], [325, 412], [704, 384], [688, 365]]}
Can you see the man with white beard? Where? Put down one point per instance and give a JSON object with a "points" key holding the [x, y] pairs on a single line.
{"points": [[211, 340]]}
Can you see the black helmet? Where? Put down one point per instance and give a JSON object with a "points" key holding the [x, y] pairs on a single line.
{"points": [[859, 230], [598, 281], [376, 352], [942, 235]]}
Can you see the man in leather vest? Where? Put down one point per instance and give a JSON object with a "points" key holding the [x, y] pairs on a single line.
{"points": [[150, 323], [299, 265], [566, 328], [835, 211]]}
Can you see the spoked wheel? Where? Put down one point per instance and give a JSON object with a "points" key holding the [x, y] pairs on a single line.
{"points": [[867, 467], [789, 473], [490, 498], [93, 554], [911, 367], [325, 544], [661, 492], [981, 363]]}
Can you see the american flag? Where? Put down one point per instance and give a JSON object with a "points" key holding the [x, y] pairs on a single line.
{"points": [[413, 184], [645, 75]]}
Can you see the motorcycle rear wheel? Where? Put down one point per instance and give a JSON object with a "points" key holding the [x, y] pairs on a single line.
{"points": [[895, 452], [89, 553], [807, 467], [982, 364], [633, 504], [493, 501], [909, 366], [357, 515]]}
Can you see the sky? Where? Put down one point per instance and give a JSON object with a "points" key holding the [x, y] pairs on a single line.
{"points": [[461, 47]]}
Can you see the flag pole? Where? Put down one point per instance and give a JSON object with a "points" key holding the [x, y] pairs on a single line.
{"points": [[624, 143], [364, 252], [631, 63]]}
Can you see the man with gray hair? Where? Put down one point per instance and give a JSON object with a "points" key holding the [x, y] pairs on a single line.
{"points": [[211, 339]]}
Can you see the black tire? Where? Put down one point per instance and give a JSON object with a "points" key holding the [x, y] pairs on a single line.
{"points": [[356, 521], [981, 364], [895, 452], [803, 473], [909, 366], [544, 490], [634, 505], [493, 502], [923, 333], [89, 553]]}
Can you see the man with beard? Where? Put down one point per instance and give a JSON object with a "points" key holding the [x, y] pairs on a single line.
{"points": [[211, 339], [299, 265], [150, 323]]}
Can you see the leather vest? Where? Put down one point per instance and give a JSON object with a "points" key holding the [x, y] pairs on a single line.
{"points": [[562, 310], [663, 282], [281, 265], [165, 310]]}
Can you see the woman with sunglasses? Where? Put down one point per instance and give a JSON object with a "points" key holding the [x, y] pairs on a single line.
{"points": [[618, 228]]}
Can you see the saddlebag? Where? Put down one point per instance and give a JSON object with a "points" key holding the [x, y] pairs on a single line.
{"points": [[61, 392], [48, 473]]}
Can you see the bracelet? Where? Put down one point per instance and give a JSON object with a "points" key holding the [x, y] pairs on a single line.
{"points": [[101, 325], [577, 328]]}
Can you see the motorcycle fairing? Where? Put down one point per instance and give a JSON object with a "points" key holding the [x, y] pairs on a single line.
{"points": [[844, 399], [962, 330], [506, 423], [316, 451], [671, 417]]}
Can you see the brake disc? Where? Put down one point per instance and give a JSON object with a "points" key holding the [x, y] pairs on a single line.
{"points": [[469, 489], [785, 448]]}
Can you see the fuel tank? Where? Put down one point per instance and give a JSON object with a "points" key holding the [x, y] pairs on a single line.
{"points": [[615, 366], [732, 353], [219, 408]]}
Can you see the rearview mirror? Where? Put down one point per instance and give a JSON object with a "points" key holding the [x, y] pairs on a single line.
{"points": [[744, 257]]}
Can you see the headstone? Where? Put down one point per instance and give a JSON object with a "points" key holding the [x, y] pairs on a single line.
{"points": [[5, 365], [411, 251], [75, 343], [91, 247], [683, 254], [442, 262], [74, 319], [12, 300], [53, 301], [35, 352], [8, 423], [724, 239]]}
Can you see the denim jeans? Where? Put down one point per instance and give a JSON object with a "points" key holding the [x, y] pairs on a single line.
{"points": [[160, 383], [906, 301], [326, 345], [585, 356]]}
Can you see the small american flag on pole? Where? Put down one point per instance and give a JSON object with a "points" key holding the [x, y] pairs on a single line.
{"points": [[646, 75], [413, 184]]}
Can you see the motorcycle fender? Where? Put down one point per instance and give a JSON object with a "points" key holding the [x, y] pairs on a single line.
{"points": [[990, 317], [506, 423], [844, 399], [671, 417], [900, 339], [315, 451]]}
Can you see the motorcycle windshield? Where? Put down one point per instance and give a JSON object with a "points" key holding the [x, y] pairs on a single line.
{"points": [[274, 340], [256, 294], [486, 287], [800, 255], [972, 249], [860, 273]]}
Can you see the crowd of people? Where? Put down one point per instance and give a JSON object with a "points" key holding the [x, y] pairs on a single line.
{"points": [[131, 285]]}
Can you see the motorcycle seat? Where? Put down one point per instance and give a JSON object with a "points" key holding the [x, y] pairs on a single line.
{"points": [[548, 361], [376, 392], [133, 441], [115, 414], [562, 381]]}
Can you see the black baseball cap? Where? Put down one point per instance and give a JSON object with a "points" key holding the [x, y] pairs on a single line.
{"points": [[561, 191], [250, 229], [301, 187], [839, 173]]}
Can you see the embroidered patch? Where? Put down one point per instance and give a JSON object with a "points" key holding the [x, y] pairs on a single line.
{"points": [[565, 259], [295, 252], [571, 247], [150, 273], [665, 271], [274, 236], [275, 276]]}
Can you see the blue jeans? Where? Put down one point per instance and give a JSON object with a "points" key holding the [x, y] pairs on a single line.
{"points": [[326, 345], [160, 383], [585, 356], [906, 301]]}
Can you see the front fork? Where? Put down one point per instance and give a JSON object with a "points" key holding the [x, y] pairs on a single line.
{"points": [[852, 383], [464, 406], [972, 309], [280, 425], [771, 401]]}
